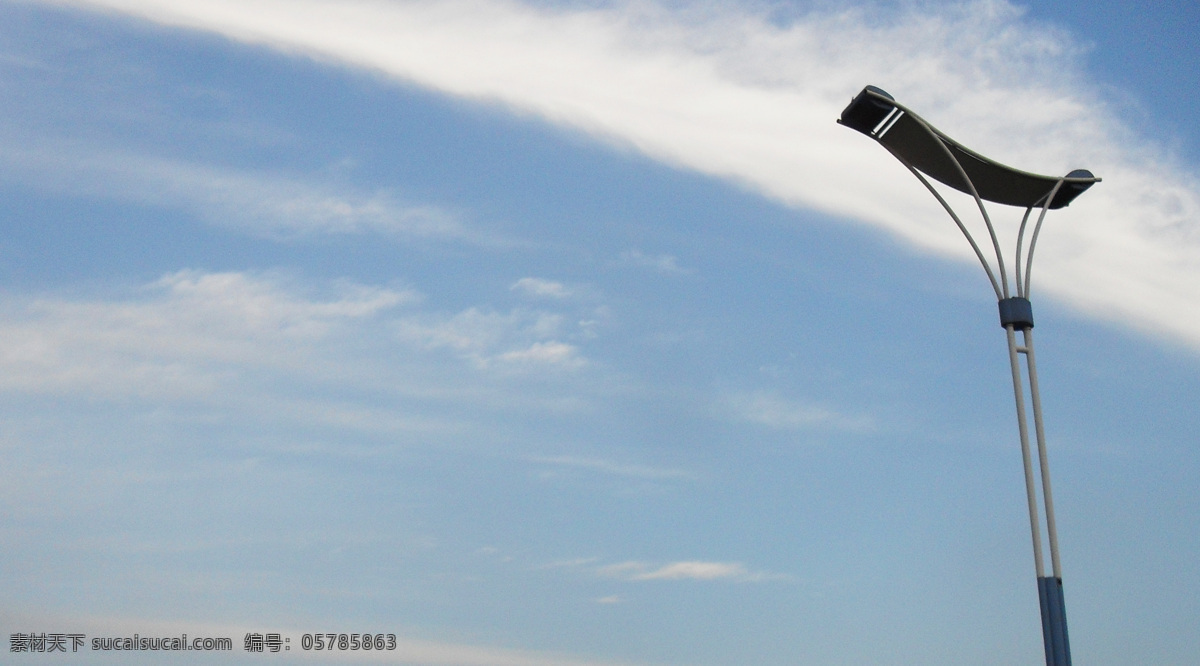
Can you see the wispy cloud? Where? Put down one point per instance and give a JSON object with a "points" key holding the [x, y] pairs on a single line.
{"points": [[258, 203], [695, 570], [181, 335], [490, 339], [770, 410], [542, 288], [550, 353], [338, 354], [613, 468], [663, 263], [726, 91], [686, 570]]}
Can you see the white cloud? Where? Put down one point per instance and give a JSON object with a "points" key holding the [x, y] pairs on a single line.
{"points": [[570, 564], [609, 467], [263, 204], [695, 571], [539, 287], [663, 263], [186, 334], [519, 338], [343, 355], [685, 570], [726, 92], [770, 410], [551, 352]]}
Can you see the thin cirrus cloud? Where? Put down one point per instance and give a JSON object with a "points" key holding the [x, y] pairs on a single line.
{"points": [[767, 409], [728, 92], [663, 263], [262, 204], [685, 570], [517, 339], [246, 340], [609, 467], [541, 288], [178, 336]]}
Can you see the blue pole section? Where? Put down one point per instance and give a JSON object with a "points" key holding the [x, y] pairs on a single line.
{"points": [[1054, 621]]}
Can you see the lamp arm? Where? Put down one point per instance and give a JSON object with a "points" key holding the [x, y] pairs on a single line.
{"points": [[1020, 238], [987, 220], [1037, 228], [962, 227]]}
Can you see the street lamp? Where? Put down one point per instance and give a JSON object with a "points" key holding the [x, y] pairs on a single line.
{"points": [[925, 151]]}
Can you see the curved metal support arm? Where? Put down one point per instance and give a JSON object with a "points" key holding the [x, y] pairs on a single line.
{"points": [[1037, 228], [1001, 293], [1020, 238], [962, 227], [991, 232]]}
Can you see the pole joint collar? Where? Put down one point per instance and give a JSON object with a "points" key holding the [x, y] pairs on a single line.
{"points": [[1017, 312]]}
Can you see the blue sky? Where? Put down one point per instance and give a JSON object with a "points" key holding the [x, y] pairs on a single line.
{"points": [[581, 334]]}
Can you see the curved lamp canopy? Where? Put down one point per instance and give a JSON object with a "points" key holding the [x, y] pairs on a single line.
{"points": [[921, 146]]}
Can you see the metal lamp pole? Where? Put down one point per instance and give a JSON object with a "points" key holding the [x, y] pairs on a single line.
{"points": [[925, 151]]}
